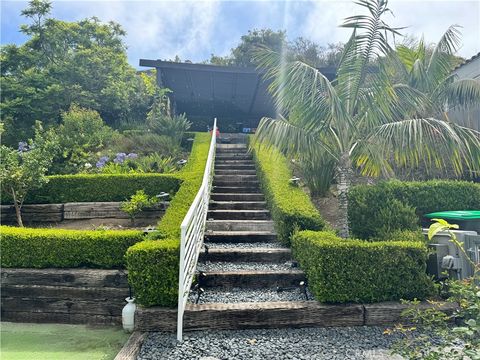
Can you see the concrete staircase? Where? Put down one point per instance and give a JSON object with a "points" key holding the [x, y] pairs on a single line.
{"points": [[241, 253]]}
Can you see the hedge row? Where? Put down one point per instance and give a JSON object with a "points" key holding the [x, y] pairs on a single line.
{"points": [[43, 248], [153, 264], [290, 207], [340, 271], [393, 204], [99, 187]]}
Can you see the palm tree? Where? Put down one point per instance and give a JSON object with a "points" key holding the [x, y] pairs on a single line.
{"points": [[363, 119]]}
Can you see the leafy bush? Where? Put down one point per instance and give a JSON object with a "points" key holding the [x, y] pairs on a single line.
{"points": [[402, 235], [43, 248], [137, 203], [373, 206], [347, 270], [144, 143], [290, 206], [153, 264], [99, 187]]}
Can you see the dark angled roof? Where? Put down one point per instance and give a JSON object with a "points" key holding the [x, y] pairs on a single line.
{"points": [[468, 61], [217, 91]]}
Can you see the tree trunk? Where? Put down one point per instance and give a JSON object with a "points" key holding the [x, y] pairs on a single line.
{"points": [[343, 185], [18, 208]]}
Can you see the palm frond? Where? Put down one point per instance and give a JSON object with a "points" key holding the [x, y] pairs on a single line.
{"points": [[429, 142], [463, 93]]}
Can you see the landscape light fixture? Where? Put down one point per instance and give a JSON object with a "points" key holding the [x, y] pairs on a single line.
{"points": [[303, 286], [181, 162], [163, 197], [294, 181], [190, 139]]}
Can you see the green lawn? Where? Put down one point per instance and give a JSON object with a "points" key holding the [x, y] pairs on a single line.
{"points": [[60, 342]]}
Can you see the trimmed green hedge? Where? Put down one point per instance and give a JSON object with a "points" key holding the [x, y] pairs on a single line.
{"points": [[290, 207], [153, 264], [340, 271], [387, 203], [43, 248], [99, 187]]}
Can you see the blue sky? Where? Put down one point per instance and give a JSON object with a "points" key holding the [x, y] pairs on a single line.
{"points": [[195, 29]]}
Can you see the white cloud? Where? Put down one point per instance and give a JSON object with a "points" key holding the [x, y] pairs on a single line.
{"points": [[430, 18]]}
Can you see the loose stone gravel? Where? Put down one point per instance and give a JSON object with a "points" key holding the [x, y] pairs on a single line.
{"points": [[270, 245], [242, 266], [237, 295], [274, 344]]}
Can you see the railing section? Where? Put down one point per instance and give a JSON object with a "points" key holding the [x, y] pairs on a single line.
{"points": [[192, 233]]}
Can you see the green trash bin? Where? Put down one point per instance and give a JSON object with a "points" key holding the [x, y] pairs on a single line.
{"points": [[466, 220]]}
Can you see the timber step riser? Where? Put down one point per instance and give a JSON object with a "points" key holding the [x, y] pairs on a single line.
{"points": [[250, 255], [236, 189], [238, 214], [274, 315], [236, 178], [236, 183], [234, 172], [226, 162], [252, 279], [236, 197], [239, 238], [234, 167], [230, 205], [229, 157], [240, 225]]}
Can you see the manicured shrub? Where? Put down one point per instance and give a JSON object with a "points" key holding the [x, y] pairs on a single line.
{"points": [[386, 205], [99, 187], [153, 264], [347, 270], [43, 248], [290, 206]]}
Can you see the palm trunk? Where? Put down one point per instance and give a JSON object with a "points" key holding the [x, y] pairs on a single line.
{"points": [[343, 185], [18, 208]]}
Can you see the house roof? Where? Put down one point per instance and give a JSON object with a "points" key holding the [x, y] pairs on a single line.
{"points": [[468, 61], [216, 91]]}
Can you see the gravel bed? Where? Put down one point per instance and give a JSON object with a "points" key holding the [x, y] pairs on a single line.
{"points": [[270, 245], [237, 295], [241, 266], [273, 344]]}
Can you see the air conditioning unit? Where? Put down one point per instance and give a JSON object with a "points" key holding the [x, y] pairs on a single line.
{"points": [[448, 259]]}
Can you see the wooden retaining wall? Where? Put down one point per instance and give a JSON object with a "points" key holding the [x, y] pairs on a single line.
{"points": [[72, 296], [73, 211]]}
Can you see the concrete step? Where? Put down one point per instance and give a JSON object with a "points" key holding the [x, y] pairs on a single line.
{"points": [[239, 214], [218, 196], [266, 255], [240, 225], [235, 178], [239, 236], [224, 162], [235, 172], [233, 156], [237, 205], [231, 146], [237, 183], [235, 167], [236, 189], [252, 279]]}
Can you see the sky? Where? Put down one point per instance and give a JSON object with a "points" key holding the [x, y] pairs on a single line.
{"points": [[195, 29]]}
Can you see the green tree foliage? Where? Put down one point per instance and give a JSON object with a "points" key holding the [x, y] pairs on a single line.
{"points": [[81, 134], [136, 204], [363, 119], [25, 169], [61, 63]]}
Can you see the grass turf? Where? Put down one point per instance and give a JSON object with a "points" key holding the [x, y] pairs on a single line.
{"points": [[20, 341]]}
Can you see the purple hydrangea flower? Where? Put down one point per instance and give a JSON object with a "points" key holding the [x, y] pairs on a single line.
{"points": [[119, 158], [22, 146], [132, 156], [101, 162]]}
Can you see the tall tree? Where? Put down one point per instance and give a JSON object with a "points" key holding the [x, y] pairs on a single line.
{"points": [[62, 63], [362, 119]]}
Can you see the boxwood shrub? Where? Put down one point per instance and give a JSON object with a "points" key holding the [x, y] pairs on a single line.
{"points": [[43, 248], [153, 264], [99, 187], [290, 207], [391, 204], [347, 270]]}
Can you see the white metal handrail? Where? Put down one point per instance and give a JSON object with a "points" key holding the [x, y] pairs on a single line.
{"points": [[192, 233]]}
